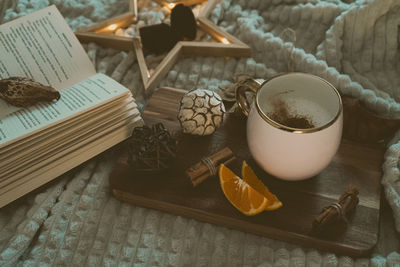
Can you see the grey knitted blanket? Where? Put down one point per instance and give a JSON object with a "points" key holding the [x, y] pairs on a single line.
{"points": [[75, 220]]}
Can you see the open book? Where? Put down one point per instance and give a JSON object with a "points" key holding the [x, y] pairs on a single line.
{"points": [[94, 112]]}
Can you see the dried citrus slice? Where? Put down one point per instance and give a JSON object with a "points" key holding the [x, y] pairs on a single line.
{"points": [[240, 194], [251, 178]]}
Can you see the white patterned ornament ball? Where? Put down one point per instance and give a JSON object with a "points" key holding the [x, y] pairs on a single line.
{"points": [[201, 112]]}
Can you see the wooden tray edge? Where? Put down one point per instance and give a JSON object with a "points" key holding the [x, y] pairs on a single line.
{"points": [[232, 224]]}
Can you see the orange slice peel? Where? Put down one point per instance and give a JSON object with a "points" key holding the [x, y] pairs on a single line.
{"points": [[251, 178], [249, 195]]}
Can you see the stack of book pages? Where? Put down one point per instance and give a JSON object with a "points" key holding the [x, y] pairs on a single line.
{"points": [[94, 112]]}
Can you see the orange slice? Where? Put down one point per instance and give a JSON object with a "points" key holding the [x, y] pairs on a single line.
{"points": [[240, 194], [251, 178]]}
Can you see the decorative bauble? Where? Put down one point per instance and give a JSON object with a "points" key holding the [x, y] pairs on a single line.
{"points": [[201, 112]]}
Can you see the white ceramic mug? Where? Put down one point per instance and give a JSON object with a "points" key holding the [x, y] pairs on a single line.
{"points": [[292, 151]]}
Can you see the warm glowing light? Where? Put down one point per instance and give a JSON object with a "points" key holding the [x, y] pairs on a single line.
{"points": [[112, 27], [224, 40], [171, 5], [135, 8]]}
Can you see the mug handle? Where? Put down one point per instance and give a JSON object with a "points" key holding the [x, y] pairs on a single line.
{"points": [[248, 85]]}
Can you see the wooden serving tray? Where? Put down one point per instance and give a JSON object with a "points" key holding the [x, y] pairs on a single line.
{"points": [[355, 163]]}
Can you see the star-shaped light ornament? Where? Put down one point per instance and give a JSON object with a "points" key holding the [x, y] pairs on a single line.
{"points": [[223, 44], [103, 32]]}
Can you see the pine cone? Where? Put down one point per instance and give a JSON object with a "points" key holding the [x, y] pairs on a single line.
{"points": [[151, 150]]}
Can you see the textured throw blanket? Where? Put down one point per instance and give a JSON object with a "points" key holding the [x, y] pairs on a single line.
{"points": [[75, 220]]}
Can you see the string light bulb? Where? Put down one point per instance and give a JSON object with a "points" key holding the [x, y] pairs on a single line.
{"points": [[171, 5], [112, 27], [224, 41]]}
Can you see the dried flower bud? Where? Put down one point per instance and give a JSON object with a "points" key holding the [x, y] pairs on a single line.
{"points": [[25, 92]]}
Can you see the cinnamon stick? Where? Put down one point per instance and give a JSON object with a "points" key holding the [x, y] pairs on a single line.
{"points": [[201, 170], [337, 211]]}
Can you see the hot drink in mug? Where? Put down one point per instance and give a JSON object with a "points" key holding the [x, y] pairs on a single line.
{"points": [[294, 124]]}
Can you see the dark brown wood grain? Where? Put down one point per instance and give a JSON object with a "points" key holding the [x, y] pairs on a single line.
{"points": [[355, 163], [364, 125]]}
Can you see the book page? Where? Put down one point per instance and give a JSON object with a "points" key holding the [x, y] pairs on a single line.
{"points": [[43, 47], [64, 162], [58, 127], [28, 160], [54, 139], [81, 97]]}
